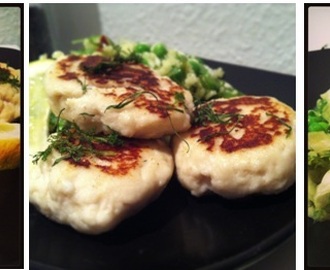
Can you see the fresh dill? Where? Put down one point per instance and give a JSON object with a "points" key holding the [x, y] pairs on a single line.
{"points": [[7, 77], [179, 97], [84, 85], [129, 100], [282, 122], [87, 114], [74, 143], [205, 114]]}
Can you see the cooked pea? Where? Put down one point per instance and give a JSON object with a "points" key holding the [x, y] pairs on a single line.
{"points": [[177, 74], [141, 47], [159, 49]]}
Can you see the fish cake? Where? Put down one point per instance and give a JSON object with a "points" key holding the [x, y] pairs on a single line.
{"points": [[128, 98], [97, 192], [9, 93], [237, 147]]}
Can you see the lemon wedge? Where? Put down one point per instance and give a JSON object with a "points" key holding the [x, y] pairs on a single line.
{"points": [[9, 146], [38, 107]]}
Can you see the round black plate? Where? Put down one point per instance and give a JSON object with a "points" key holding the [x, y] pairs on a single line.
{"points": [[179, 231], [11, 196], [318, 234], [11, 225]]}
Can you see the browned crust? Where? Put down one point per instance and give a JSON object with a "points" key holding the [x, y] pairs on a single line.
{"points": [[256, 134], [133, 77], [113, 160]]}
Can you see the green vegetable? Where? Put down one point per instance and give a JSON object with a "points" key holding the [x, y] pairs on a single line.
{"points": [[177, 74], [7, 77], [141, 47], [319, 159], [159, 49]]}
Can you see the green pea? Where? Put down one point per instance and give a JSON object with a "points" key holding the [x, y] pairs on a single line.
{"points": [[141, 48], [197, 67], [230, 92], [209, 82], [159, 49], [177, 74]]}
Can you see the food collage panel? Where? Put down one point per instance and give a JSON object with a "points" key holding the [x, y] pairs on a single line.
{"points": [[164, 136]]}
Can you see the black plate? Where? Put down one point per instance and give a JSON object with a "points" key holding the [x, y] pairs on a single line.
{"points": [[179, 231], [318, 234], [11, 196]]}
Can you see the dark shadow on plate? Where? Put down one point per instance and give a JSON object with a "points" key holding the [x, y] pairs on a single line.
{"points": [[11, 223]]}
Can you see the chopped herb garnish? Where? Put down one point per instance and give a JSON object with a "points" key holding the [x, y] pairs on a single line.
{"points": [[179, 97], [205, 114], [83, 85], [129, 100], [74, 143], [7, 77], [281, 121], [87, 114]]}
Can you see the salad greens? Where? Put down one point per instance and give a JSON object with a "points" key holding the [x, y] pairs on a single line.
{"points": [[319, 159]]}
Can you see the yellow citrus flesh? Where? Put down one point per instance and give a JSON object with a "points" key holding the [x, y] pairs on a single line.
{"points": [[39, 107], [9, 145]]}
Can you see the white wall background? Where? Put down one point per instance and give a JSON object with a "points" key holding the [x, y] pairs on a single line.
{"points": [[318, 28], [255, 35], [10, 26]]}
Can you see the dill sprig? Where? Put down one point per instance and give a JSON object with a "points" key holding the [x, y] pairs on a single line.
{"points": [[7, 77], [282, 122], [205, 114], [84, 85], [129, 100], [74, 143]]}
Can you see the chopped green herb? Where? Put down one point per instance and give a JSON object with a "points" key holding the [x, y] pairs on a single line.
{"points": [[281, 121], [7, 77], [205, 114], [129, 100], [83, 85], [87, 114], [74, 143], [179, 97]]}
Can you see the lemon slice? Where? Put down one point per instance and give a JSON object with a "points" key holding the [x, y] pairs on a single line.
{"points": [[9, 145], [38, 107]]}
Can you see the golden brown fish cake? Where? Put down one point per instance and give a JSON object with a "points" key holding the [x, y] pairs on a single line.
{"points": [[9, 93], [237, 147], [128, 98], [93, 194]]}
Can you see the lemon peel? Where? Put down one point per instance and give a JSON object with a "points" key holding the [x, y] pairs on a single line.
{"points": [[9, 146]]}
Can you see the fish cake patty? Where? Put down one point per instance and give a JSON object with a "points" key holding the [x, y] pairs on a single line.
{"points": [[128, 98], [9, 93], [96, 193], [237, 147]]}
